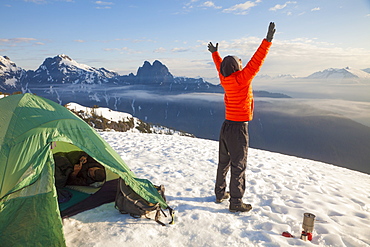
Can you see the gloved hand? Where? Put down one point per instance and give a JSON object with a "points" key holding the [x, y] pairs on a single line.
{"points": [[271, 32], [212, 48]]}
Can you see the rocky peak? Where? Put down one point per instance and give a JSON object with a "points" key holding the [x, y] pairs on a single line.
{"points": [[154, 74], [63, 56]]}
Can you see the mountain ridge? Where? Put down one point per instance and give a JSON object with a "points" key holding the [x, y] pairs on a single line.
{"points": [[62, 69], [333, 73], [330, 73]]}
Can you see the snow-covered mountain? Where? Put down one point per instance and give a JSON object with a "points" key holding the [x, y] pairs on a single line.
{"points": [[280, 188], [10, 74], [62, 69], [366, 70], [331, 73], [285, 76], [344, 73], [278, 77]]}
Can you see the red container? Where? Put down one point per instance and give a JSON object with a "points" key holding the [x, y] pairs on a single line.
{"points": [[307, 234], [287, 235]]}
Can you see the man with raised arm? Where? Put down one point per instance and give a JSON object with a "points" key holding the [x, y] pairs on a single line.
{"points": [[238, 98]]}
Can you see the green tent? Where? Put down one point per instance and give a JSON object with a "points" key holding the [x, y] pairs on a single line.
{"points": [[29, 126]]}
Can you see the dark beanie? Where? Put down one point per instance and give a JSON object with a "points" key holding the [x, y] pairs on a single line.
{"points": [[229, 65], [99, 175]]}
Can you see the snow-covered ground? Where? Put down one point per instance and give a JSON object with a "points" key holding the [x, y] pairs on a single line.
{"points": [[281, 189], [101, 111], [116, 116]]}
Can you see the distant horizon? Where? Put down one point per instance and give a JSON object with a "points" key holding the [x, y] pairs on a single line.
{"points": [[169, 68]]}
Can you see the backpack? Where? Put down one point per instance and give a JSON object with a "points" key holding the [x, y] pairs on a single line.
{"points": [[129, 202]]}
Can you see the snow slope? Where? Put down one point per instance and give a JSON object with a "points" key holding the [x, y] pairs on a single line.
{"points": [[281, 189], [115, 116]]}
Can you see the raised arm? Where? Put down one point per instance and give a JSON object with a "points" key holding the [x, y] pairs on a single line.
{"points": [[215, 55]]}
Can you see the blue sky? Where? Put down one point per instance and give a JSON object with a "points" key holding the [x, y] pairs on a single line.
{"points": [[121, 34]]}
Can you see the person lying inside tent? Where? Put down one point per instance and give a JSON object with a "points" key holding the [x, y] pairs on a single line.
{"points": [[87, 172], [81, 182]]}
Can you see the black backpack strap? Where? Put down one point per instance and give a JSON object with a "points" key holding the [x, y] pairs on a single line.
{"points": [[172, 213], [158, 214]]}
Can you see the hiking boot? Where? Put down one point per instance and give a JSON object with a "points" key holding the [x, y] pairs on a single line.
{"points": [[240, 208], [225, 197]]}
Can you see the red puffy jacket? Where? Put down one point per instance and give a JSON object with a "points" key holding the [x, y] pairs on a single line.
{"points": [[238, 96]]}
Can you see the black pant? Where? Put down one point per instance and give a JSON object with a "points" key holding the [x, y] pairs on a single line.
{"points": [[233, 152]]}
